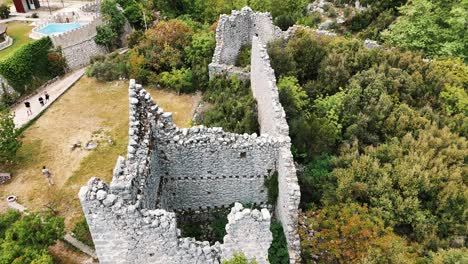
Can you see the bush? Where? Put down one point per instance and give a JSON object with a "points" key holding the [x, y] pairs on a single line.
{"points": [[271, 183], [239, 258], [243, 59], [177, 79], [9, 143], [81, 232], [109, 68], [311, 20], [25, 239], [109, 34], [278, 251], [32, 65], [4, 11], [233, 105]]}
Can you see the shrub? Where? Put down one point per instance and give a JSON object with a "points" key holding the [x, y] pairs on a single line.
{"points": [[109, 68], [271, 183], [4, 11], [81, 232], [311, 20], [177, 79], [233, 105], [278, 251], [31, 65], [243, 59], [239, 258], [25, 239], [9, 143]]}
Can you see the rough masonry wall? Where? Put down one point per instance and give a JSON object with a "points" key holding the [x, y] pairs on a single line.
{"points": [[123, 221], [78, 45], [272, 120], [125, 234], [208, 168], [237, 30], [251, 226]]}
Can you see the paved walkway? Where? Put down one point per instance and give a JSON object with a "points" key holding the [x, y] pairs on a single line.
{"points": [[78, 244], [55, 90]]}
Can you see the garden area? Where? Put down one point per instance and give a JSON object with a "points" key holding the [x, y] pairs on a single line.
{"points": [[19, 32]]}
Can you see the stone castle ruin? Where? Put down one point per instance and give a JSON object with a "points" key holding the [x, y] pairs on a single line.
{"points": [[169, 171]]}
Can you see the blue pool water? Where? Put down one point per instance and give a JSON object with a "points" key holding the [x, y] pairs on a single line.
{"points": [[57, 28]]}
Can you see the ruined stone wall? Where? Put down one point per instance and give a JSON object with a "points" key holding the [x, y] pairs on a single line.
{"points": [[237, 30], [124, 233], [208, 168], [78, 45], [272, 120], [251, 226], [126, 226]]}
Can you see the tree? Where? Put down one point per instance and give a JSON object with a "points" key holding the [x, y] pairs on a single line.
{"points": [[178, 79], [293, 97], [278, 251], [27, 238], [9, 143], [239, 258], [438, 28], [416, 184], [105, 36], [114, 19], [233, 105], [347, 233], [4, 11]]}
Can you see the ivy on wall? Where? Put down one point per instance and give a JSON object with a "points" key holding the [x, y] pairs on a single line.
{"points": [[32, 65]]}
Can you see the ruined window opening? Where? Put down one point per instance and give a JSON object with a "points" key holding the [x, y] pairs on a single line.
{"points": [[210, 172], [243, 155], [208, 192], [173, 194], [256, 34], [151, 254]]}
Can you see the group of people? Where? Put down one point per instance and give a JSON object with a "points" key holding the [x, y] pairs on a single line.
{"points": [[42, 102]]}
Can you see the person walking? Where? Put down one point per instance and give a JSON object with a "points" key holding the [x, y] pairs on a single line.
{"points": [[46, 97], [48, 175], [41, 100], [28, 108]]}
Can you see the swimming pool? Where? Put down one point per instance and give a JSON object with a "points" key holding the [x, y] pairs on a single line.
{"points": [[57, 28]]}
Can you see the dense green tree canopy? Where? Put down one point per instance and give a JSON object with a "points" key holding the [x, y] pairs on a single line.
{"points": [[25, 239], [436, 27]]}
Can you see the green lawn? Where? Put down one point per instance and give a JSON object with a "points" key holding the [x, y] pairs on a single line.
{"points": [[19, 31]]}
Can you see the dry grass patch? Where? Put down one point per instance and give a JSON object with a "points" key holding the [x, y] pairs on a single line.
{"points": [[89, 110]]}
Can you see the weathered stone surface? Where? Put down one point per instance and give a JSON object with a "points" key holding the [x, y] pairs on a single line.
{"points": [[170, 169]]}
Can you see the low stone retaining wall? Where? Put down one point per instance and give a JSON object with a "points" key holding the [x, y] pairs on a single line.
{"points": [[7, 43]]}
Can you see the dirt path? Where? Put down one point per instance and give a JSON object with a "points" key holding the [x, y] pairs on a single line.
{"points": [[54, 90]]}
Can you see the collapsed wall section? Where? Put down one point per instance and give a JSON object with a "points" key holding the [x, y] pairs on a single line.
{"points": [[78, 45], [272, 120]]}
